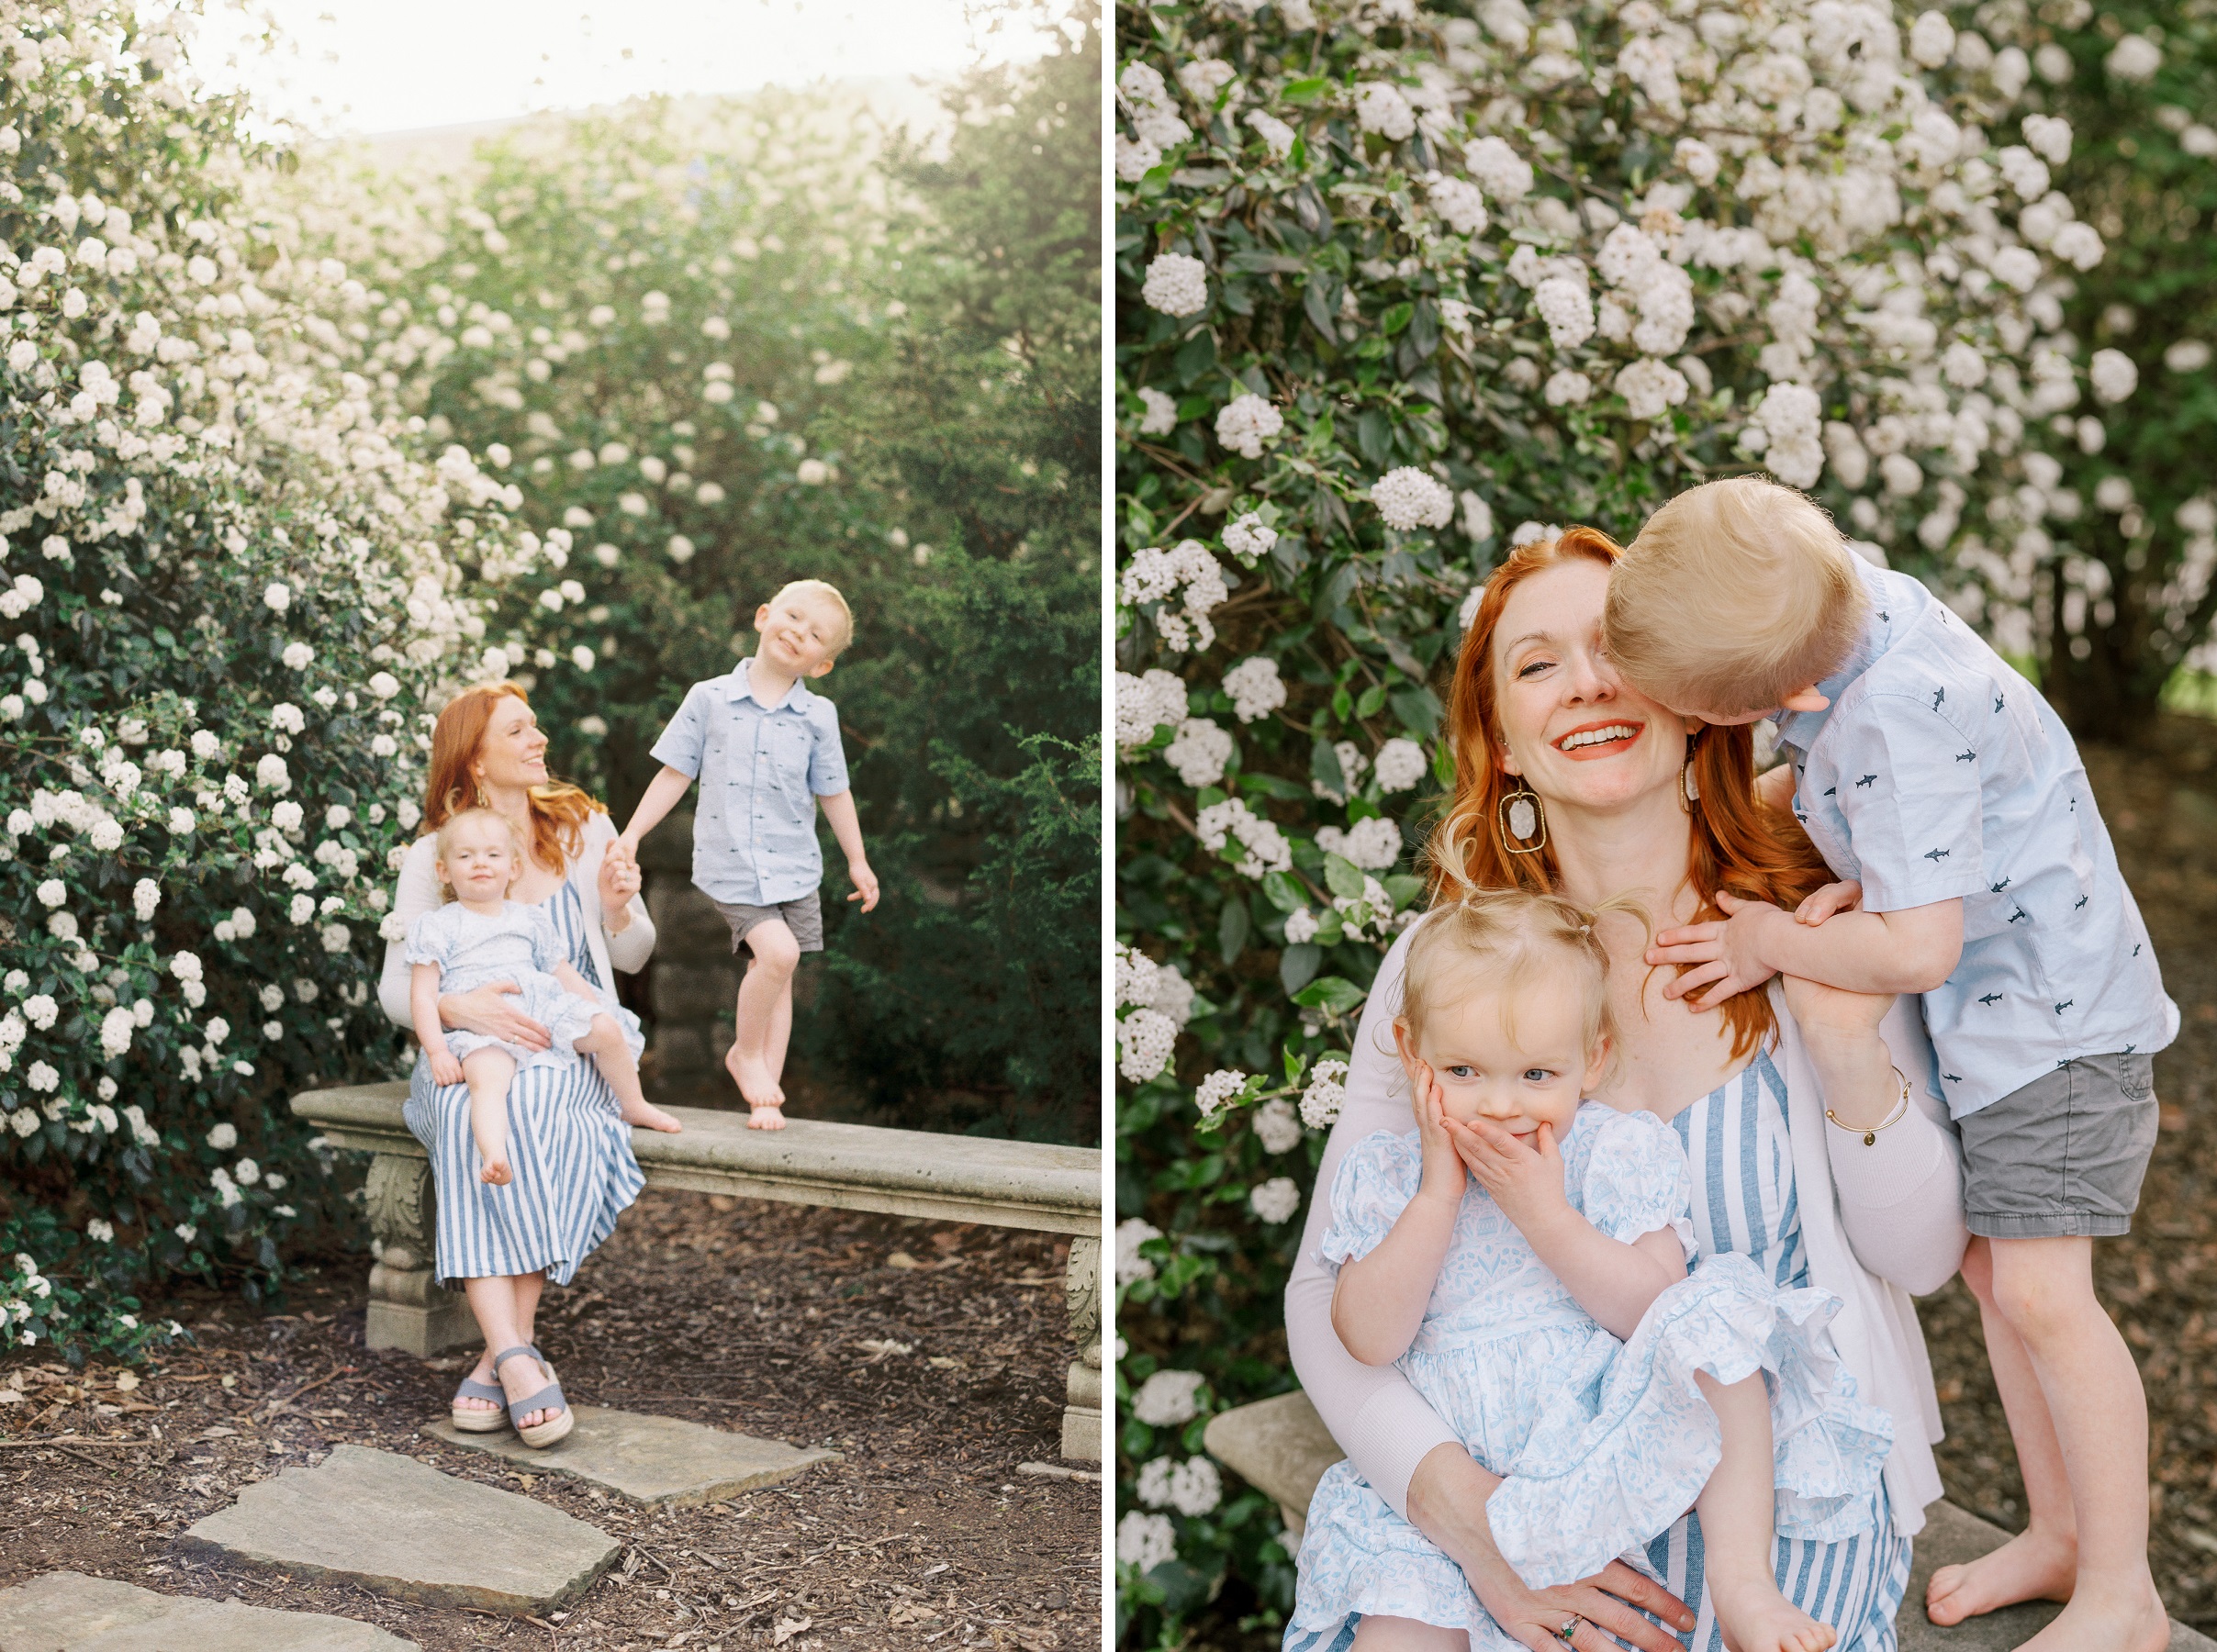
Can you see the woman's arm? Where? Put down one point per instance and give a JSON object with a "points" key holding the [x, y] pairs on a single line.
{"points": [[415, 892], [1900, 1194], [627, 929]]}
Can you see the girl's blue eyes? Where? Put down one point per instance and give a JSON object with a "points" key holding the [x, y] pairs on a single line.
{"points": [[1530, 1074], [1536, 1074]]}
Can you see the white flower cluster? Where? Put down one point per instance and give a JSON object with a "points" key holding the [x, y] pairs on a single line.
{"points": [[1275, 1200], [1188, 572], [1374, 844], [1193, 1487], [1246, 423], [1146, 703], [1131, 1233], [1176, 285], [1326, 1094], [1200, 753], [1256, 689], [1216, 1093], [1160, 1002], [1265, 848], [1409, 498]]}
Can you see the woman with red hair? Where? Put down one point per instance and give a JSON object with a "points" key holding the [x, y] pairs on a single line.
{"points": [[571, 1156], [1812, 1153]]}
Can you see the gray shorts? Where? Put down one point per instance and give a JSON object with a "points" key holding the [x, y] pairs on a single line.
{"points": [[2065, 1154], [804, 917]]}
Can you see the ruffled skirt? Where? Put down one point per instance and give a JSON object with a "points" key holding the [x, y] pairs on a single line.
{"points": [[565, 1015], [1602, 1447]]}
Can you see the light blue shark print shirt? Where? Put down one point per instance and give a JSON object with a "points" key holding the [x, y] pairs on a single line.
{"points": [[1939, 771], [761, 769]]}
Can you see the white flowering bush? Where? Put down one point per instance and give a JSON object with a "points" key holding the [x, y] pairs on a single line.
{"points": [[226, 589], [1497, 268]]}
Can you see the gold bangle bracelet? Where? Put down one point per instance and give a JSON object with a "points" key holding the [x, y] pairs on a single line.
{"points": [[1869, 1133]]}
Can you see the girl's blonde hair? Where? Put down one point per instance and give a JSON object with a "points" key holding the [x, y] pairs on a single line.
{"points": [[1736, 594], [1499, 936], [444, 838]]}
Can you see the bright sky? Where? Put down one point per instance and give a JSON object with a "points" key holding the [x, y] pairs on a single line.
{"points": [[372, 66]]}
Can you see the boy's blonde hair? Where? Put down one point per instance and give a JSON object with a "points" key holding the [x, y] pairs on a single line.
{"points": [[1497, 937], [1735, 595], [444, 838], [830, 593]]}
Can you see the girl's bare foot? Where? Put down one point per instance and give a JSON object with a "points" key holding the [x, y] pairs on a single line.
{"points": [[2035, 1565], [1756, 1618], [496, 1171], [647, 1116], [766, 1115]]}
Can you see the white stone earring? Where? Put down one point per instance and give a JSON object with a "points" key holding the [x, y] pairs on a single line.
{"points": [[1520, 815]]}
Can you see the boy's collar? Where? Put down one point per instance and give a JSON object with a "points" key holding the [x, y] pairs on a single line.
{"points": [[742, 687]]}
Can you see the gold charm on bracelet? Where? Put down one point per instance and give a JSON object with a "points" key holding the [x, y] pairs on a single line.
{"points": [[1870, 1132]]}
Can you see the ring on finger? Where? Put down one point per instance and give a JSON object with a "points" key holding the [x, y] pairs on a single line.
{"points": [[1569, 1627]]}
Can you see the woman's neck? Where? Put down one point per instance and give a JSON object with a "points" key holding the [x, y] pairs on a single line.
{"points": [[512, 804], [1642, 851]]}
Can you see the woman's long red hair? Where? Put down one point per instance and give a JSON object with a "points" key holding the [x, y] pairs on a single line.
{"points": [[1738, 843], [559, 809]]}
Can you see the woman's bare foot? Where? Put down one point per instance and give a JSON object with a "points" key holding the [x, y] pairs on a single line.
{"points": [[2035, 1565], [519, 1380], [1756, 1618], [766, 1115], [497, 1172], [647, 1116]]}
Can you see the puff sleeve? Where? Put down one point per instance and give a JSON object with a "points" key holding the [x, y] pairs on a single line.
{"points": [[1375, 1183], [429, 940], [1636, 1180]]}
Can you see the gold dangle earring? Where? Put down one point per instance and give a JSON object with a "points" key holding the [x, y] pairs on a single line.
{"points": [[1520, 814]]}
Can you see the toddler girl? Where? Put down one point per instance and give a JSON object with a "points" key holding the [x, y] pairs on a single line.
{"points": [[480, 937], [1499, 1252]]}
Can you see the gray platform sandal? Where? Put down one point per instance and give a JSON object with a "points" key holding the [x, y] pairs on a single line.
{"points": [[544, 1433], [480, 1421]]}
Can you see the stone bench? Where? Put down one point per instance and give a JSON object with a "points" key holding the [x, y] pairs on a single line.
{"points": [[1028, 1185], [1281, 1448]]}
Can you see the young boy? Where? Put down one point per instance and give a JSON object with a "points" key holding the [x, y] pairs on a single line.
{"points": [[1948, 796], [766, 750]]}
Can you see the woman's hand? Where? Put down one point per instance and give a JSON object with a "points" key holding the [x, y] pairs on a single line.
{"points": [[1524, 1173], [1603, 1601], [619, 883], [487, 1011]]}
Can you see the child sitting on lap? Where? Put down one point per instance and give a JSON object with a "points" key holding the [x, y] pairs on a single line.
{"points": [[481, 937], [1947, 796], [1499, 1252], [766, 750]]}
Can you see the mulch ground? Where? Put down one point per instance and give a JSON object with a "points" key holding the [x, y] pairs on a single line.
{"points": [[2159, 1282], [932, 1354]]}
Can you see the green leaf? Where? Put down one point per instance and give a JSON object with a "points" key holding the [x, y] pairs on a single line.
{"points": [[1404, 887], [1324, 766], [1372, 697], [1231, 930], [1374, 436], [1303, 91], [1297, 966], [1395, 319], [1283, 890], [1319, 298], [1417, 710], [1334, 995], [1342, 877]]}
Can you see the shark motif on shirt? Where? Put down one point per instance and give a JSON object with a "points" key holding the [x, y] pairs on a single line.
{"points": [[2020, 913], [2079, 902], [2065, 1005], [1991, 998], [1864, 781], [1997, 888], [1937, 854], [1938, 696], [1998, 702]]}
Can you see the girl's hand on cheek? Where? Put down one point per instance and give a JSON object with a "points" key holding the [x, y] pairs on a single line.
{"points": [[1444, 1177], [1524, 1173]]}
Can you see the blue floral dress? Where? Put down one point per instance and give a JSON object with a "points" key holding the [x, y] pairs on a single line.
{"points": [[1603, 1445], [570, 1150]]}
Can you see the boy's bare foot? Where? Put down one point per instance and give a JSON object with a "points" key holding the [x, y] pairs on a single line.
{"points": [[496, 1171], [647, 1116], [753, 1077], [1756, 1618], [2130, 1624], [2032, 1566], [766, 1115]]}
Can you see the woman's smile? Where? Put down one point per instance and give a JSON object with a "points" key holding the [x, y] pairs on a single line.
{"points": [[1604, 738]]}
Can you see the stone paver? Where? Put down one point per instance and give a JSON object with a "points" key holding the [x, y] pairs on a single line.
{"points": [[68, 1612], [661, 1461], [401, 1528]]}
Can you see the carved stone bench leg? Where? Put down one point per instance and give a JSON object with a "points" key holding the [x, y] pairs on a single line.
{"points": [[1081, 1413], [407, 1310]]}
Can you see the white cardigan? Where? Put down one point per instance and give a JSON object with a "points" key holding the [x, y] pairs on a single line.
{"points": [[417, 892], [1879, 1222]]}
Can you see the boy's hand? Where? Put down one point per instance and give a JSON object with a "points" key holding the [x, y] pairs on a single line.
{"points": [[445, 1069], [865, 883], [1844, 896], [1524, 1173], [1729, 953]]}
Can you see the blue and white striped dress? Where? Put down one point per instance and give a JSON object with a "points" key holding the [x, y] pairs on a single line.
{"points": [[571, 1155], [1744, 1200]]}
